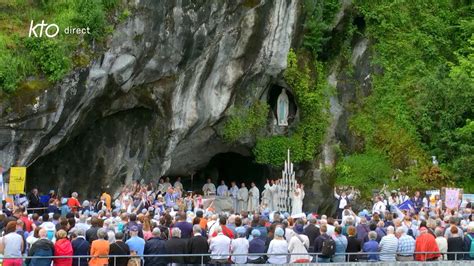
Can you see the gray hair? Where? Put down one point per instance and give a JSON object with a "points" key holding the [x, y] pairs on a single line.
{"points": [[74, 194], [156, 231], [118, 235], [176, 232], [80, 232], [196, 229], [372, 235], [390, 230], [439, 232], [101, 233], [400, 230]]}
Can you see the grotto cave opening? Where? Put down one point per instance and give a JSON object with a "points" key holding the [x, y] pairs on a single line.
{"points": [[231, 166]]}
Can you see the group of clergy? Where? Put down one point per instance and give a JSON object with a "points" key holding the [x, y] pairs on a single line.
{"points": [[248, 199]]}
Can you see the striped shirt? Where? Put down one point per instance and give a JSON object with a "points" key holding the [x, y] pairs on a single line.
{"points": [[388, 248], [406, 245]]}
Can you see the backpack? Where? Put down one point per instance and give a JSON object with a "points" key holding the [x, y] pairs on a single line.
{"points": [[471, 248], [329, 247]]}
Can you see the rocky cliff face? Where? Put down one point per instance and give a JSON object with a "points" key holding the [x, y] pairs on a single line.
{"points": [[151, 104]]}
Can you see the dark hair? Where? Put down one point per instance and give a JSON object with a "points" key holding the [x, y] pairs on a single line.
{"points": [[338, 230], [238, 221], [11, 227], [222, 220], [196, 220], [56, 216], [45, 217]]}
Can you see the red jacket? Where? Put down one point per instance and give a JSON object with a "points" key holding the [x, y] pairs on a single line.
{"points": [[63, 247], [73, 204], [426, 242]]}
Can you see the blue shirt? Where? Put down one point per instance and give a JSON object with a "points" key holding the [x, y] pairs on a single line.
{"points": [[136, 244], [371, 246], [406, 245]]}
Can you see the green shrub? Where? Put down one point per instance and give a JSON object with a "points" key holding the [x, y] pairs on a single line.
{"points": [[364, 171], [91, 13], [273, 150], [245, 122], [50, 57]]}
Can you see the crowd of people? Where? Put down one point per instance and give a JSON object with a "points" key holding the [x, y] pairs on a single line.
{"points": [[161, 219]]}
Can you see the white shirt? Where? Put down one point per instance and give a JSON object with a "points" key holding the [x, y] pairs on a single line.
{"points": [[277, 246], [220, 245], [299, 246], [342, 200], [240, 246], [379, 207]]}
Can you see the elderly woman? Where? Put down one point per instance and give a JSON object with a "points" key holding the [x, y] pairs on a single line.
{"points": [[442, 242], [62, 247], [11, 245], [256, 245], [299, 243], [100, 249], [371, 246], [240, 245], [278, 246]]}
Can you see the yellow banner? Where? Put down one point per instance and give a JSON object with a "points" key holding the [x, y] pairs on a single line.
{"points": [[17, 180]]}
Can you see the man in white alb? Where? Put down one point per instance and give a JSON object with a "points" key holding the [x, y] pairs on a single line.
{"points": [[379, 206], [209, 188], [242, 197], [234, 191], [222, 190], [254, 198]]}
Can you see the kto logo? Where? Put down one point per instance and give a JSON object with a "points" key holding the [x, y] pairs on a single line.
{"points": [[50, 30]]}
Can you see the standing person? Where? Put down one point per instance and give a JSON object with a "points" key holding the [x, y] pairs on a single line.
{"points": [[80, 247], [185, 227], [455, 244], [354, 245], [468, 242], [34, 200], [267, 196], [118, 248], [209, 188], [240, 245], [219, 247], [62, 247], [343, 200], [426, 242], [178, 184], [275, 189], [442, 242], [388, 245], [325, 245], [406, 245], [278, 246], [371, 246], [234, 191], [73, 202], [417, 201], [299, 243], [135, 243], [12, 245], [91, 233], [41, 248], [363, 230], [100, 249], [297, 201], [197, 245], [222, 190], [176, 245], [312, 231], [254, 198], [379, 206], [155, 245], [341, 245], [242, 197]]}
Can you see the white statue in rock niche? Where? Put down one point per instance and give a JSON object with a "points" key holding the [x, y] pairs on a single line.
{"points": [[282, 108]]}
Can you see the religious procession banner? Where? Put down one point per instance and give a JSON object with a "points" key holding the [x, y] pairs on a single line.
{"points": [[452, 197], [17, 180]]}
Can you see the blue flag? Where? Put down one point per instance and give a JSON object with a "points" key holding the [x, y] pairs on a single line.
{"points": [[407, 205]]}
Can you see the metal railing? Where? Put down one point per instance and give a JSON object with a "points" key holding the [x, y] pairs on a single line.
{"points": [[209, 258]]}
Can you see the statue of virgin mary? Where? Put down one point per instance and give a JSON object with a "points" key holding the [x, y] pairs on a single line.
{"points": [[282, 109]]}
